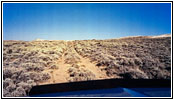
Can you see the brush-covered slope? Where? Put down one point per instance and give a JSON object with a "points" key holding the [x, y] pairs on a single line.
{"points": [[30, 63]]}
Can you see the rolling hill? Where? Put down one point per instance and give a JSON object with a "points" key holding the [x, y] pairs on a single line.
{"points": [[30, 63]]}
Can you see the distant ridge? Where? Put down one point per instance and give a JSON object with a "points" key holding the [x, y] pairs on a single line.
{"points": [[141, 36], [39, 39], [159, 36]]}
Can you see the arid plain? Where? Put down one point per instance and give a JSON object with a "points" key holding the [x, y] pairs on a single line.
{"points": [[38, 62]]}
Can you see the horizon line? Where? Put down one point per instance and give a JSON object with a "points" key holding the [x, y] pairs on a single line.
{"points": [[39, 39]]}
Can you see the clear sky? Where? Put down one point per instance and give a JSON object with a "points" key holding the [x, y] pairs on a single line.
{"points": [[78, 21]]}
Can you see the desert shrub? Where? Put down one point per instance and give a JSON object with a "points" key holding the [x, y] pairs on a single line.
{"points": [[148, 64], [11, 87], [113, 69], [35, 76], [7, 72], [7, 82], [25, 86], [6, 93], [54, 66], [33, 67], [55, 56], [72, 69], [45, 58], [21, 63], [81, 74], [9, 51], [71, 58], [15, 77], [102, 59], [19, 92], [133, 75], [158, 74], [45, 76], [16, 55], [17, 61], [18, 50], [50, 62], [31, 82], [138, 61], [6, 44], [30, 54], [33, 59], [126, 62], [76, 66], [103, 63], [24, 77], [52, 52]]}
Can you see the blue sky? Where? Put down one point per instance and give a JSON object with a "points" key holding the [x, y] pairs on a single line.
{"points": [[78, 21]]}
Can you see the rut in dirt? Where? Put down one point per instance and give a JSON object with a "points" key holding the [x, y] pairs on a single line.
{"points": [[74, 67]]}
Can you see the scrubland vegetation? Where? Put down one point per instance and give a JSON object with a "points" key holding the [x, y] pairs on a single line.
{"points": [[131, 58], [25, 63], [79, 74]]}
